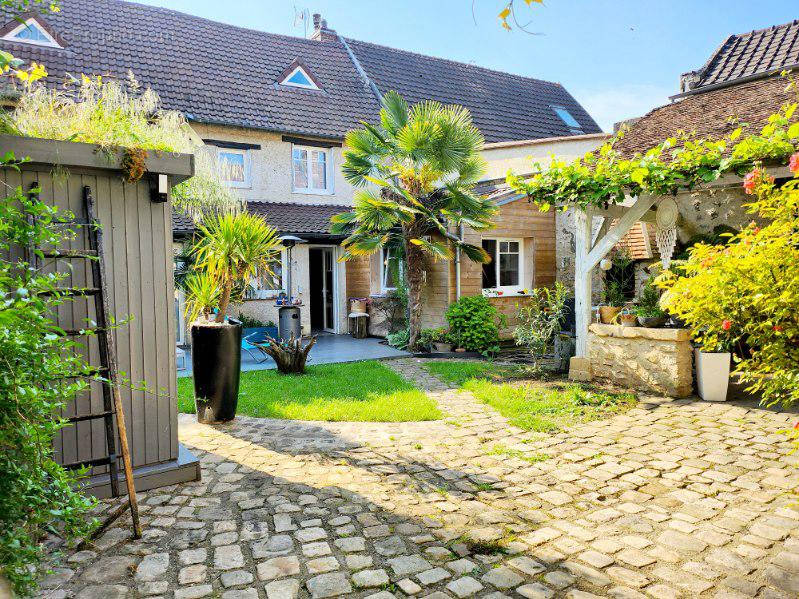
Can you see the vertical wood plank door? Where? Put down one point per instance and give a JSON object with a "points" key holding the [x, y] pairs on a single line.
{"points": [[139, 262]]}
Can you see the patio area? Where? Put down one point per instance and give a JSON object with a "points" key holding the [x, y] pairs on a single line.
{"points": [[329, 349], [674, 498]]}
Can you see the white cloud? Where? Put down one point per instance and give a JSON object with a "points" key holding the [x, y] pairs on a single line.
{"points": [[622, 102]]}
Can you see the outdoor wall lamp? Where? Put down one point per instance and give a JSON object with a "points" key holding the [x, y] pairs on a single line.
{"points": [[159, 188]]}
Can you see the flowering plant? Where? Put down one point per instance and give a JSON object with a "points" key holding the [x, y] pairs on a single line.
{"points": [[748, 292]]}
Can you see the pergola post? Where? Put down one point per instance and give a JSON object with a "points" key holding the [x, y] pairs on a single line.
{"points": [[586, 258], [582, 277]]}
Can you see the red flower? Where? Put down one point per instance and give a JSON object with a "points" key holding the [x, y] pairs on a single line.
{"points": [[796, 426], [793, 164], [750, 181], [777, 328], [726, 324]]}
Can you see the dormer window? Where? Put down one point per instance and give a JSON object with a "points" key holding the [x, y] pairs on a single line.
{"points": [[32, 32], [298, 75], [299, 78]]}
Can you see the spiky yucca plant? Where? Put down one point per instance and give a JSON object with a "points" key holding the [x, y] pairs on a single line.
{"points": [[424, 161], [231, 250]]}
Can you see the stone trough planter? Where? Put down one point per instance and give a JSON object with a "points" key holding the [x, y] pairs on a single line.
{"points": [[652, 360]]}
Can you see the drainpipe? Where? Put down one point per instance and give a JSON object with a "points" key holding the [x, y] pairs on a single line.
{"points": [[458, 265]]}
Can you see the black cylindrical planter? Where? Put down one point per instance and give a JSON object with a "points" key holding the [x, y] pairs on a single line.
{"points": [[216, 365]]}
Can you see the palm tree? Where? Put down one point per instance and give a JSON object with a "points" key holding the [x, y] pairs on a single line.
{"points": [[422, 163], [232, 249]]}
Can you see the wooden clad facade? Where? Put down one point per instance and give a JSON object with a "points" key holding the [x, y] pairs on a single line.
{"points": [[517, 219], [139, 266]]}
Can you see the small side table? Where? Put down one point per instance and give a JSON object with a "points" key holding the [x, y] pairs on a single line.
{"points": [[359, 325]]}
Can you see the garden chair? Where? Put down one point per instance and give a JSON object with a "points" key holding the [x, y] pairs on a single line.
{"points": [[250, 345]]}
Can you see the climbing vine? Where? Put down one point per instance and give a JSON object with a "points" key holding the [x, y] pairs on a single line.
{"points": [[682, 162]]}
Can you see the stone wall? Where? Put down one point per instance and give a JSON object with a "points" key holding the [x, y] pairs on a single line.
{"points": [[652, 360]]}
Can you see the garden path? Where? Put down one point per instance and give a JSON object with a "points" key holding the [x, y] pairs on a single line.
{"points": [[671, 499]]}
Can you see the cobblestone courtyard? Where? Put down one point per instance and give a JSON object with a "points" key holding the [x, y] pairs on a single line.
{"points": [[671, 499]]}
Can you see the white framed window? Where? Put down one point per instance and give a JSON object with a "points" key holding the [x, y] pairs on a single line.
{"points": [[311, 170], [392, 268], [235, 165], [299, 78], [505, 271], [268, 285], [31, 32]]}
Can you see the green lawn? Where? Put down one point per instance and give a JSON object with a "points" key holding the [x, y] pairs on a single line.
{"points": [[457, 372], [531, 405], [355, 391]]}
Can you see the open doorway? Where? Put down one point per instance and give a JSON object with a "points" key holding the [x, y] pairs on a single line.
{"points": [[322, 271]]}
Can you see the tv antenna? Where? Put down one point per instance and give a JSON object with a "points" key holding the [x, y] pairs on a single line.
{"points": [[301, 17]]}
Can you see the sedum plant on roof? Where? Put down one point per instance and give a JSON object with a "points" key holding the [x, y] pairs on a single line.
{"points": [[113, 115]]}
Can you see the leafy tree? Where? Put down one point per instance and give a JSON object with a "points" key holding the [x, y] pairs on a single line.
{"points": [[423, 162]]}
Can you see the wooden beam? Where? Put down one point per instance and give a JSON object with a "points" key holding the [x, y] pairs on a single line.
{"points": [[632, 215], [619, 210], [582, 278]]}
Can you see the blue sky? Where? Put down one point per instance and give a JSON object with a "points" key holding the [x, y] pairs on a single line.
{"points": [[619, 58]]}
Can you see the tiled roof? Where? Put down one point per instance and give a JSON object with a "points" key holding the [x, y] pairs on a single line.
{"points": [[286, 217], [503, 106], [210, 71], [219, 73], [297, 218], [712, 114], [753, 53]]}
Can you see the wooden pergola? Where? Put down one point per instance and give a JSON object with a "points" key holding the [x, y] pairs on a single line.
{"points": [[589, 253]]}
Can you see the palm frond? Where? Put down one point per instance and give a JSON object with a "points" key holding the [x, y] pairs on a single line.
{"points": [[471, 169], [475, 253], [394, 113], [343, 223], [438, 249], [362, 244]]}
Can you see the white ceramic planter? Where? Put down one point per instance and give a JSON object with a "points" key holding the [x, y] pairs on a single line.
{"points": [[712, 375]]}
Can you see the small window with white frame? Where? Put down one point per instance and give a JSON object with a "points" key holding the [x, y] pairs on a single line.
{"points": [[235, 166], [32, 32], [392, 268], [504, 272], [311, 170], [267, 285]]}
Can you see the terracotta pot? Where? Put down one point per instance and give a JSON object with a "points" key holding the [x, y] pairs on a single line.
{"points": [[608, 314], [628, 320]]}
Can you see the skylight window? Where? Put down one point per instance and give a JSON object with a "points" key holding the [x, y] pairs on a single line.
{"points": [[31, 32], [299, 78], [567, 117]]}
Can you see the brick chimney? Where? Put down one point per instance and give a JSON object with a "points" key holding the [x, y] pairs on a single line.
{"points": [[321, 33]]}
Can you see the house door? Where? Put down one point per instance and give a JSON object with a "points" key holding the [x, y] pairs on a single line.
{"points": [[322, 288]]}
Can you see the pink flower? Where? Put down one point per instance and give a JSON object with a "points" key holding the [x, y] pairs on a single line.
{"points": [[726, 324], [750, 181], [793, 164]]}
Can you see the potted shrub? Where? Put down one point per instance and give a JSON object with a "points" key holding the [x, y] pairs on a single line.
{"points": [[474, 324], [613, 300], [232, 248], [648, 310], [437, 340]]}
